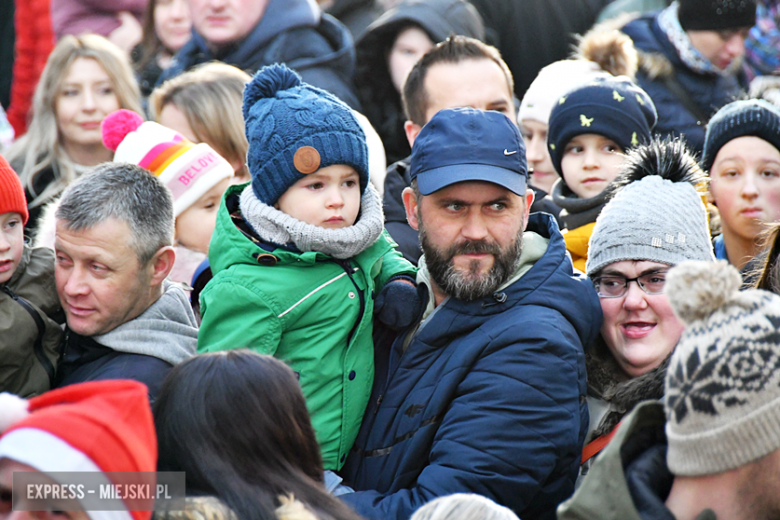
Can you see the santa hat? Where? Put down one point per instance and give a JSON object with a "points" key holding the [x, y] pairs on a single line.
{"points": [[188, 169], [101, 426]]}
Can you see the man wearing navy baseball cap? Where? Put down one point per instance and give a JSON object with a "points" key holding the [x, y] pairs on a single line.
{"points": [[485, 393]]}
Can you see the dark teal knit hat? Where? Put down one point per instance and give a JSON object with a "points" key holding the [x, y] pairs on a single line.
{"points": [[750, 117], [294, 129], [614, 107]]}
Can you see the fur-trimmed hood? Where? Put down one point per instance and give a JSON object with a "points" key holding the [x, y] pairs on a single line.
{"points": [[607, 382], [603, 52], [610, 49]]}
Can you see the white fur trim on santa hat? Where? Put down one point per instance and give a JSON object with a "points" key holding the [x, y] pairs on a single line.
{"points": [[49, 454], [12, 410]]}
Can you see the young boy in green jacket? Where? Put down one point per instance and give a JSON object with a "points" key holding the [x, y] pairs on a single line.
{"points": [[300, 257]]}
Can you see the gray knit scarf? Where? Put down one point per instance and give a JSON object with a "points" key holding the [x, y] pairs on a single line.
{"points": [[576, 212], [280, 228]]}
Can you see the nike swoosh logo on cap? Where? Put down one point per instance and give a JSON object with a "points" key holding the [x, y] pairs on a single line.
{"points": [[509, 153]]}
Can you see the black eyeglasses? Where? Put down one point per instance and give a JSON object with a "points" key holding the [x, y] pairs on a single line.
{"points": [[614, 286]]}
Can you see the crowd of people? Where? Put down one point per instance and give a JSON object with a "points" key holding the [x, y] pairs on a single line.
{"points": [[394, 259]]}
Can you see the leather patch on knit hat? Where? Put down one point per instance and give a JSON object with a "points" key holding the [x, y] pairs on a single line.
{"points": [[306, 160]]}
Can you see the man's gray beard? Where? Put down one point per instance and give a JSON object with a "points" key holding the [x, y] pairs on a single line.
{"points": [[471, 285]]}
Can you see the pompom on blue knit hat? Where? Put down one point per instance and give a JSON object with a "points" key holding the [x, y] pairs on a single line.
{"points": [[750, 117], [613, 107], [294, 129]]}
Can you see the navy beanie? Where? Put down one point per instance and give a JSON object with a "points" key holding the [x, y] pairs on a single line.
{"points": [[613, 107], [294, 129], [716, 15], [751, 117]]}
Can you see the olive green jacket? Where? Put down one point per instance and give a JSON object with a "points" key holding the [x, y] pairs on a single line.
{"points": [[31, 288]]}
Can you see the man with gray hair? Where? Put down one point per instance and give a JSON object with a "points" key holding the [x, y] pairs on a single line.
{"points": [[113, 245]]}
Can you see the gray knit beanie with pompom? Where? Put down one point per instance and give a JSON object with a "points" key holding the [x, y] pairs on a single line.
{"points": [[723, 382], [655, 212]]}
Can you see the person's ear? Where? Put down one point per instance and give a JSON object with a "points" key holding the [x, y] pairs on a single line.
{"points": [[161, 264], [410, 204], [411, 129], [529, 200]]}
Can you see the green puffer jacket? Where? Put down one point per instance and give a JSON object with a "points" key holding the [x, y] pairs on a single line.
{"points": [[22, 369], [308, 309]]}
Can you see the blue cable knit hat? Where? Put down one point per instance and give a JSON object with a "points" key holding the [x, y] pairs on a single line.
{"points": [[295, 129], [613, 107]]}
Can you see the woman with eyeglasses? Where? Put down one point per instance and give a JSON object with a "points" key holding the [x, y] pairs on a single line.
{"points": [[655, 219]]}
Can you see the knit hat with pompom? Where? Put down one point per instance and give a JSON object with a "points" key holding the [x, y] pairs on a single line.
{"points": [[188, 169], [655, 213], [295, 129], [723, 382]]}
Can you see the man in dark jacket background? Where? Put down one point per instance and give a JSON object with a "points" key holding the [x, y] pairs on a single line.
{"points": [[113, 247], [251, 34], [486, 392]]}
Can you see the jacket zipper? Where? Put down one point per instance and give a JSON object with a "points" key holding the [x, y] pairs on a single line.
{"points": [[344, 264]]}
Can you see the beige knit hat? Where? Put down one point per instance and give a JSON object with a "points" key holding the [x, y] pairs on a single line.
{"points": [[723, 382]]}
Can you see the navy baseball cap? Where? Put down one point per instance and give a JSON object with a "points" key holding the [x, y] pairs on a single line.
{"points": [[464, 144]]}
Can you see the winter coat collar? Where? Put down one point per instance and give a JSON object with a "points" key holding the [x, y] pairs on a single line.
{"points": [[166, 330], [548, 283], [534, 248], [690, 55], [607, 382], [576, 211]]}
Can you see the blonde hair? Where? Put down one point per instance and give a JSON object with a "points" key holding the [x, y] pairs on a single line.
{"points": [[210, 97], [463, 506], [40, 147], [768, 278]]}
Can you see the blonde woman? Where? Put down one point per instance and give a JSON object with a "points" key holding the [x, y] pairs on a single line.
{"points": [[204, 105], [86, 78]]}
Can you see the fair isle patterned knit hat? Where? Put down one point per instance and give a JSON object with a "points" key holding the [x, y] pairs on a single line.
{"points": [[294, 129], [655, 213], [189, 170], [723, 382]]}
